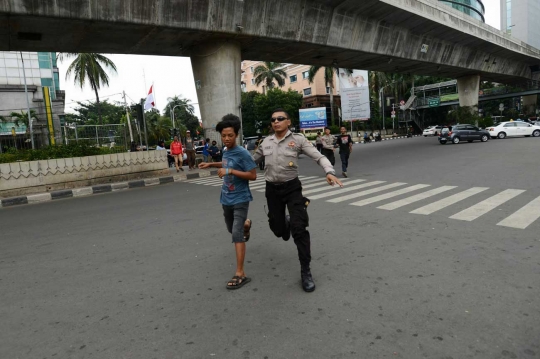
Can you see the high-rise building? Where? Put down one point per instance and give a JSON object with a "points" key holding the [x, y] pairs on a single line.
{"points": [[315, 94], [36, 70], [519, 18], [473, 8]]}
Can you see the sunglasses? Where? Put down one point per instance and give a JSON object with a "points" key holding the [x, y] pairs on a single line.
{"points": [[279, 118]]}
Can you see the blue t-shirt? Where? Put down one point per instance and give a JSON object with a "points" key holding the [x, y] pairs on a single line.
{"points": [[205, 150], [236, 190]]}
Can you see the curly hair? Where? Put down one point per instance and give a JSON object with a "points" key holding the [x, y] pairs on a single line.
{"points": [[229, 120]]}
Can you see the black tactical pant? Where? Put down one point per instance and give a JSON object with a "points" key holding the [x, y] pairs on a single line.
{"points": [[290, 194], [330, 155]]}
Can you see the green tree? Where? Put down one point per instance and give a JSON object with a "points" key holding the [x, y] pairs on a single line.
{"points": [[264, 105], [91, 68], [268, 73], [251, 123], [20, 118], [87, 113]]}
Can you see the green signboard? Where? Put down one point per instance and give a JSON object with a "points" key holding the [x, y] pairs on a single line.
{"points": [[434, 102]]}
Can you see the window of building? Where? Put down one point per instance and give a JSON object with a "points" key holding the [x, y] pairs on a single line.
{"points": [[305, 74], [307, 91], [44, 59], [292, 78], [251, 69], [46, 82], [327, 90], [253, 81]]}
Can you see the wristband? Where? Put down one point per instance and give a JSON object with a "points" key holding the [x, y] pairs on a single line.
{"points": [[226, 171]]}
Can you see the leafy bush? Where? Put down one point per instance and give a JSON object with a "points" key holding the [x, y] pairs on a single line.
{"points": [[51, 152]]}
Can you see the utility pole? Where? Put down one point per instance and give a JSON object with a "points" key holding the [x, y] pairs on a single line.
{"points": [[128, 120], [28, 104], [144, 123]]}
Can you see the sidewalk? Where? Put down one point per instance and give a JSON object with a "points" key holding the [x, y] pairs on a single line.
{"points": [[103, 188], [389, 138]]}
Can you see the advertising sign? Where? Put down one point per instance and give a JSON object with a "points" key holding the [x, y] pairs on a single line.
{"points": [[354, 89], [314, 117]]}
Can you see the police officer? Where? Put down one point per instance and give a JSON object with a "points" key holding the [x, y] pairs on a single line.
{"points": [[283, 188]]}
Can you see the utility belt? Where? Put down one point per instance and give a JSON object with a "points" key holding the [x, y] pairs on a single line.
{"points": [[281, 185]]}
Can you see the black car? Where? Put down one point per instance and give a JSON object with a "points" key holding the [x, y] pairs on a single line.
{"points": [[459, 133]]}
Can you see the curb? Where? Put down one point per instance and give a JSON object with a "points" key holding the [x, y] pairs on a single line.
{"points": [[98, 189], [391, 138]]}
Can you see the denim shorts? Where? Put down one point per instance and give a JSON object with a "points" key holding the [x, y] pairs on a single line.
{"points": [[235, 217]]}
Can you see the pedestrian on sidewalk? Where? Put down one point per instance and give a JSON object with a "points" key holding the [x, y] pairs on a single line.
{"points": [[236, 169], [344, 142], [190, 150], [214, 152], [328, 146], [284, 189], [318, 142], [177, 153], [205, 150]]}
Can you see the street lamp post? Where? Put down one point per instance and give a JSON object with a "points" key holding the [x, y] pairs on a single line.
{"points": [[381, 100]]}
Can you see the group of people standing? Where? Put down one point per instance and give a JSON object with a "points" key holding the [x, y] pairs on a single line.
{"points": [[280, 152], [188, 147], [328, 143]]}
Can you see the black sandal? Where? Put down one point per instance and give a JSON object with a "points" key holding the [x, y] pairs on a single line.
{"points": [[247, 233], [237, 282]]}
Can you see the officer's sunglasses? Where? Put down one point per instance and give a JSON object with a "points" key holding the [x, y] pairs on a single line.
{"points": [[279, 118]]}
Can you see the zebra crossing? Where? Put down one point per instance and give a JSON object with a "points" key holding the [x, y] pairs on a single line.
{"points": [[363, 192]]}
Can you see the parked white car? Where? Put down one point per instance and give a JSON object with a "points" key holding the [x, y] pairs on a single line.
{"points": [[513, 129], [432, 131]]}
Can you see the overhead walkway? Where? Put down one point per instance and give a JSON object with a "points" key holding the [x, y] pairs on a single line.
{"points": [[447, 94]]}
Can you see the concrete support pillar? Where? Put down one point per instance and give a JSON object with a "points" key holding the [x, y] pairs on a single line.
{"points": [[217, 73], [529, 105], [468, 88]]}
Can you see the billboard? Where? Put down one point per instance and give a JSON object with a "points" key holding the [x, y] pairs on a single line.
{"points": [[314, 117], [354, 89]]}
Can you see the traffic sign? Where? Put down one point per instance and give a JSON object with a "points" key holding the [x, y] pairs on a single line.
{"points": [[393, 113], [402, 102], [434, 102]]}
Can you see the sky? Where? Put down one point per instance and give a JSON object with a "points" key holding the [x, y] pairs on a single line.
{"points": [[170, 76]]}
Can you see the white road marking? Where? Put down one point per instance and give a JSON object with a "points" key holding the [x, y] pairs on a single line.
{"points": [[334, 189], [363, 193], [479, 209], [523, 217], [448, 201], [325, 187], [262, 188], [416, 198], [382, 197]]}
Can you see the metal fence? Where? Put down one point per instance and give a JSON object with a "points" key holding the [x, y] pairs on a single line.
{"points": [[112, 136]]}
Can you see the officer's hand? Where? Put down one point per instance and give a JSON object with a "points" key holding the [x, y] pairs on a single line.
{"points": [[333, 180]]}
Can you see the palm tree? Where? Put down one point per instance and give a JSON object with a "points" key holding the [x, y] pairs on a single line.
{"points": [[268, 73], [90, 67], [328, 81], [21, 118]]}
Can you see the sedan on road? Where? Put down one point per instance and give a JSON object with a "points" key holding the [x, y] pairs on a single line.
{"points": [[514, 128], [459, 133], [432, 131]]}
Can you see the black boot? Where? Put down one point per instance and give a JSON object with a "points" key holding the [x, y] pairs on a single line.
{"points": [[307, 281], [287, 233]]}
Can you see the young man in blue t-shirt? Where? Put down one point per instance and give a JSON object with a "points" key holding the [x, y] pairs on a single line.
{"points": [[237, 168]]}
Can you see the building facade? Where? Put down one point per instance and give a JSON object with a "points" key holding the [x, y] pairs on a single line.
{"points": [[519, 18], [315, 94], [37, 70], [473, 8]]}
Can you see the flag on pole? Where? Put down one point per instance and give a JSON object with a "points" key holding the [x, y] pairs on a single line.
{"points": [[149, 103]]}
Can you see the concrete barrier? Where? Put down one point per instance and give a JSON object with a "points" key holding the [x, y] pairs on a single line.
{"points": [[22, 178]]}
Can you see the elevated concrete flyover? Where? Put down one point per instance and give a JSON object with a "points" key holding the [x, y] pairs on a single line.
{"points": [[411, 36]]}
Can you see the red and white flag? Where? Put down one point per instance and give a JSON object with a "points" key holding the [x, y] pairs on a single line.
{"points": [[149, 103]]}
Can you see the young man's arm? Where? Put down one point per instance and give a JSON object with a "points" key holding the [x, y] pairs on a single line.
{"points": [[250, 175], [350, 144], [208, 164]]}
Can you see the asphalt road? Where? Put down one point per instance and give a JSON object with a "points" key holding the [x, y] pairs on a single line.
{"points": [[142, 273]]}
